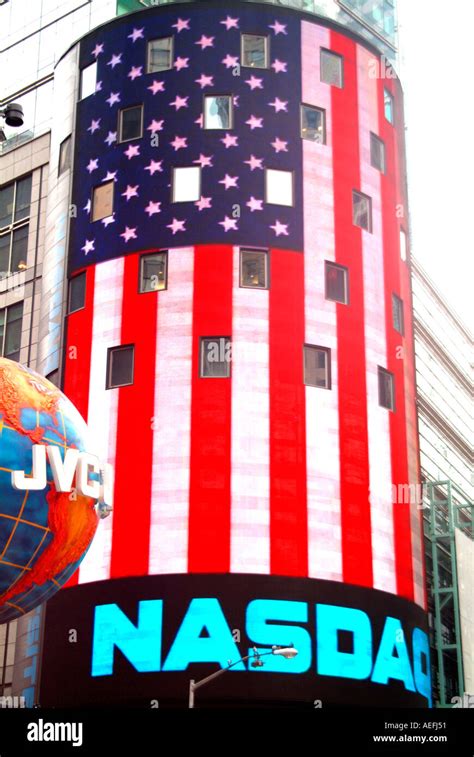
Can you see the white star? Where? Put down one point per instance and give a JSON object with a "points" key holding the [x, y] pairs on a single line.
{"points": [[205, 42], [181, 63], [98, 86], [199, 121], [114, 97], [129, 233], [180, 102], [107, 221], [280, 229], [152, 208], [205, 161], [279, 105], [111, 176], [229, 181], [176, 226], [136, 34], [89, 246], [115, 60], [135, 72], [255, 123], [98, 49], [230, 140], [93, 165], [229, 61], [229, 223], [231, 23], [278, 28], [155, 126], [130, 192], [95, 125], [181, 24], [87, 206], [203, 203], [157, 86], [235, 100], [205, 81], [254, 163], [254, 82], [279, 145], [154, 166], [254, 204], [179, 143], [111, 138], [132, 151], [279, 66]]}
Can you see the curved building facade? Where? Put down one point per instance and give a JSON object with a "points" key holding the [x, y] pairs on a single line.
{"points": [[240, 340]]}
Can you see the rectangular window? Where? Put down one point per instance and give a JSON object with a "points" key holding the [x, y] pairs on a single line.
{"points": [[153, 272], [278, 187], [254, 269], [15, 206], [388, 106], [23, 199], [160, 54], [386, 393], [88, 80], [403, 245], [361, 211], [377, 153], [131, 123], [337, 288], [218, 112], [19, 253], [64, 155], [7, 197], [331, 68], [317, 366], [215, 357], [120, 366], [186, 184], [77, 293], [10, 331], [313, 124], [398, 319], [254, 52], [102, 201]]}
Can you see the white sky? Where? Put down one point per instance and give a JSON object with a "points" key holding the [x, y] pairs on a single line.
{"points": [[435, 69]]}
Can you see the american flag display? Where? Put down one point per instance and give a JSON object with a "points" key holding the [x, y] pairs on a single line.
{"points": [[257, 472]]}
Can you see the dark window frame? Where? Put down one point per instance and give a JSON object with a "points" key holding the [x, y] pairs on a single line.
{"points": [[94, 189], [215, 338], [369, 229], [330, 264], [143, 257], [208, 95], [375, 139], [327, 351], [384, 372], [398, 308], [387, 93], [81, 274], [15, 224], [265, 251], [323, 112], [6, 323], [172, 52], [120, 123], [68, 166], [337, 55], [266, 53], [110, 351]]}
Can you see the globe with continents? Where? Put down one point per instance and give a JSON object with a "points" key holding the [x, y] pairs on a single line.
{"points": [[43, 534]]}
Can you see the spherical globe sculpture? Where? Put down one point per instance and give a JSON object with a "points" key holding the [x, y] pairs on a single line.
{"points": [[43, 534]]}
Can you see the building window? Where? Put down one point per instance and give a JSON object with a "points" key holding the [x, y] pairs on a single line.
{"points": [[397, 310], [77, 293], [88, 80], [254, 269], [160, 55], [278, 187], [7, 656], [102, 201], [337, 284], [377, 153], [10, 331], [215, 357], [388, 106], [120, 366], [386, 393], [317, 366], [254, 51], [153, 272], [186, 184], [361, 211], [218, 112], [15, 203], [131, 123], [313, 124], [403, 245], [65, 155], [331, 68]]}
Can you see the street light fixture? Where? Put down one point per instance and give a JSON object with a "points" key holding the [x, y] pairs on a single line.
{"points": [[13, 115], [289, 653]]}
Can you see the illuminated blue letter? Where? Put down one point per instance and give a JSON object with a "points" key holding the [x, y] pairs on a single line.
{"points": [[331, 662], [386, 665], [259, 612], [189, 646], [140, 644], [421, 647]]}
